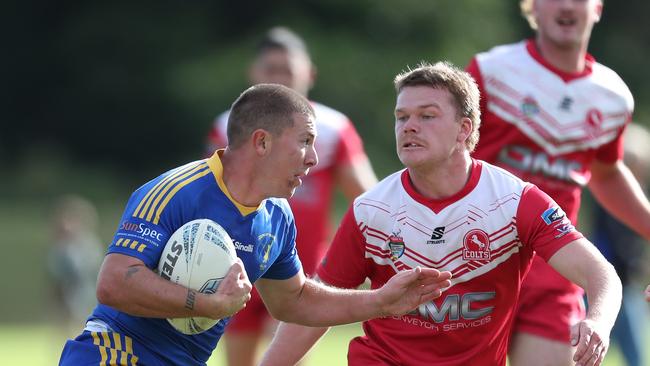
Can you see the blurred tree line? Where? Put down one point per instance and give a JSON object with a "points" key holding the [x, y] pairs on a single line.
{"points": [[133, 86]]}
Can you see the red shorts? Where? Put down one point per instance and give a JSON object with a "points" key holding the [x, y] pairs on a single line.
{"points": [[253, 318], [548, 313], [362, 352]]}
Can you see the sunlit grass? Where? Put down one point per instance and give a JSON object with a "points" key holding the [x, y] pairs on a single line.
{"points": [[34, 345]]}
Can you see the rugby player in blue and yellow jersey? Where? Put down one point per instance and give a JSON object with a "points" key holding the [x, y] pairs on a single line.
{"points": [[244, 188]]}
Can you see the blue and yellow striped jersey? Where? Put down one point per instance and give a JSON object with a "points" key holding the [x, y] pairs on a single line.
{"points": [[264, 237]]}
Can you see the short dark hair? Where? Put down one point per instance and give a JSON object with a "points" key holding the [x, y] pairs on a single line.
{"points": [[459, 83], [284, 39], [270, 107]]}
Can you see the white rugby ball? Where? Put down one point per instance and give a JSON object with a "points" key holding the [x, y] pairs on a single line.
{"points": [[198, 256]]}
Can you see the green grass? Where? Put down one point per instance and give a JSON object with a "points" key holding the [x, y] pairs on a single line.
{"points": [[34, 345]]}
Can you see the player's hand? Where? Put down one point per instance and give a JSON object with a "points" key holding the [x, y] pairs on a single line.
{"points": [[647, 293], [591, 343], [233, 292], [408, 289]]}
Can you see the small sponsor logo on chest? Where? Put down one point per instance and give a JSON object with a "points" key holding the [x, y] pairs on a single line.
{"points": [[437, 236]]}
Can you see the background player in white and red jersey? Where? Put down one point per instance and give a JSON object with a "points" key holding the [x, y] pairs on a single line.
{"points": [[449, 211], [554, 116], [282, 58]]}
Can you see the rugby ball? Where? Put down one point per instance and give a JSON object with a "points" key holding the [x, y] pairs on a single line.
{"points": [[198, 256]]}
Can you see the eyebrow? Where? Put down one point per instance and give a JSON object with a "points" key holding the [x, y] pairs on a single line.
{"points": [[422, 106]]}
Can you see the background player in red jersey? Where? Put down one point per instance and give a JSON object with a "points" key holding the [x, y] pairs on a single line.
{"points": [[451, 212], [282, 58], [554, 116]]}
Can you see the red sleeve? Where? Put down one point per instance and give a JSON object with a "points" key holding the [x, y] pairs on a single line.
{"points": [[350, 146], [542, 224], [613, 151], [344, 264]]}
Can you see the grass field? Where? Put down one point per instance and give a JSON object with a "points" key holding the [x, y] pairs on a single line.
{"points": [[30, 345], [41, 346]]}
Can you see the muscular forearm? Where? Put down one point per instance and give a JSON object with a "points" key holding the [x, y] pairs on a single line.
{"points": [[290, 344], [320, 305], [604, 293], [137, 290], [306, 302], [581, 263], [616, 189]]}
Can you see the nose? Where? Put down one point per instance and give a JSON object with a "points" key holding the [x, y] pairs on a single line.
{"points": [[311, 159], [410, 125]]}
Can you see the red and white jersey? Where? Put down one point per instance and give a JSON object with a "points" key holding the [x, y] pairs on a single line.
{"points": [[337, 144], [485, 235], [547, 126]]}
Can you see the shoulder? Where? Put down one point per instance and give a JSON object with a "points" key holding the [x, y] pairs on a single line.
{"points": [[281, 206], [500, 181], [502, 52], [384, 195], [609, 79], [177, 187], [329, 118]]}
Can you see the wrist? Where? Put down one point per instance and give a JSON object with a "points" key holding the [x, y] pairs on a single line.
{"points": [[376, 303], [205, 306]]}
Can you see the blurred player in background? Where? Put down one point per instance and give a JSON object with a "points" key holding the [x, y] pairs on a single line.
{"points": [[458, 214], [628, 253], [554, 116], [73, 260], [282, 58]]}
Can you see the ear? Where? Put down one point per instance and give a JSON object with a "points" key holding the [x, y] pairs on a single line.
{"points": [[262, 141], [599, 10], [466, 127]]}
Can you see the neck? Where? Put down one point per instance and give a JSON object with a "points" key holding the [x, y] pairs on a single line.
{"points": [[444, 180], [569, 58], [237, 173]]}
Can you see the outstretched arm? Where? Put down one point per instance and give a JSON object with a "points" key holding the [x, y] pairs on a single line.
{"points": [[126, 284], [307, 302], [581, 263], [291, 343]]}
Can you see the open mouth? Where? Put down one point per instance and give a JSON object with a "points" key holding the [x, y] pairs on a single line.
{"points": [[566, 22], [411, 144]]}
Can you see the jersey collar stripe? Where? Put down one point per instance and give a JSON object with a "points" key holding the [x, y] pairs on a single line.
{"points": [[217, 170]]}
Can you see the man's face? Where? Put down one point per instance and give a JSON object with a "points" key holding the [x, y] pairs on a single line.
{"points": [[278, 66], [566, 23], [292, 155], [427, 127]]}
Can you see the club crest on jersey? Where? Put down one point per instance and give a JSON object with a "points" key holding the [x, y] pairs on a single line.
{"points": [[529, 107], [476, 245], [594, 118], [265, 243], [552, 215], [396, 245]]}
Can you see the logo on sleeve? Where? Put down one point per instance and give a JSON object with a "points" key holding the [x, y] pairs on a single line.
{"points": [[552, 215], [265, 243], [436, 236], [396, 245], [476, 245]]}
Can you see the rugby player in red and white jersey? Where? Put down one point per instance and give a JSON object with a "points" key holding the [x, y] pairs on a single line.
{"points": [[451, 212], [282, 58], [554, 116]]}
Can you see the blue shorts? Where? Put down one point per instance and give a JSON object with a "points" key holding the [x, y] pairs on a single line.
{"points": [[105, 348]]}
